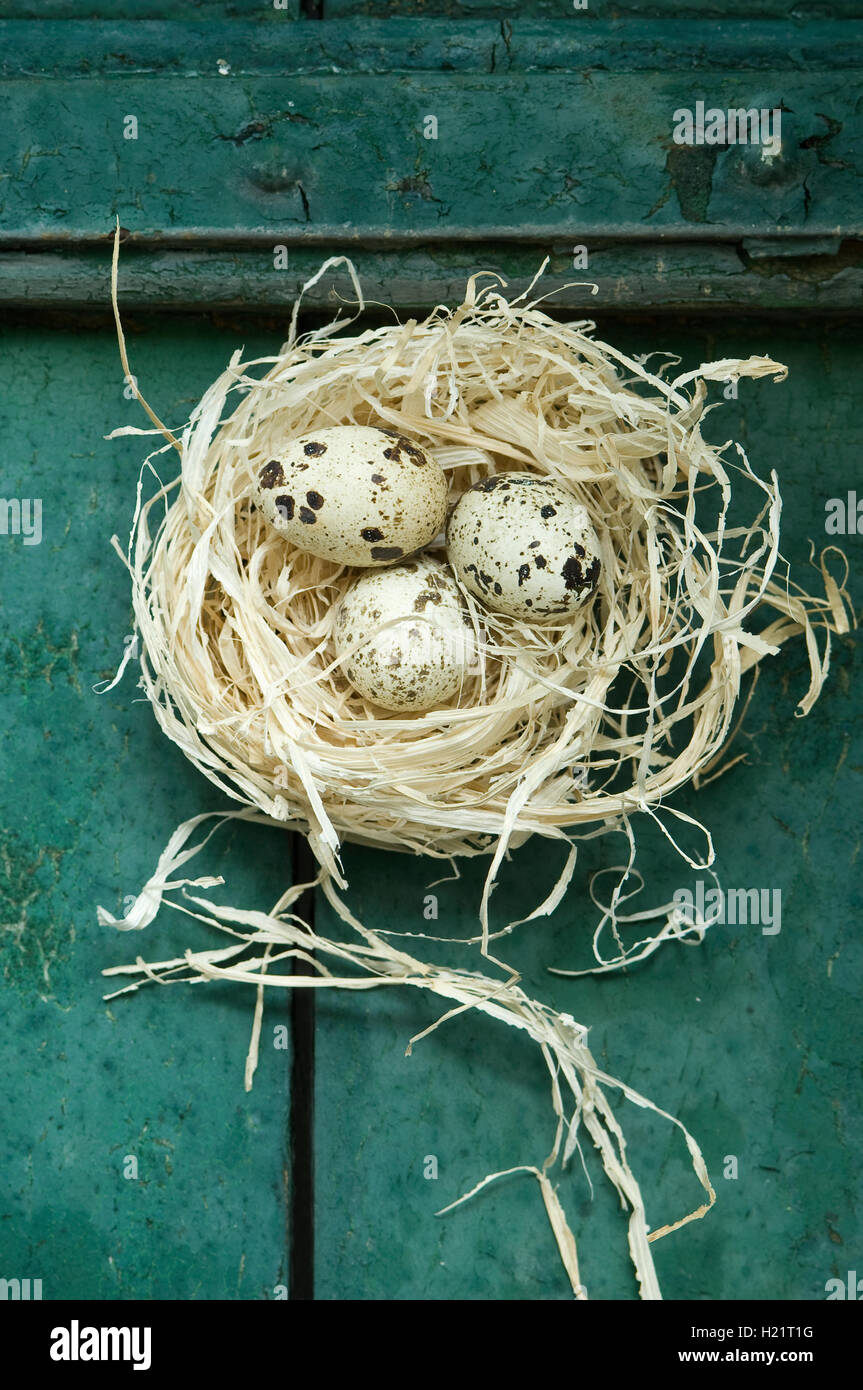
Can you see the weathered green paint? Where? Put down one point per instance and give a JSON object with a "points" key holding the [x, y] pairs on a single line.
{"points": [[552, 134], [91, 793], [824, 275], [751, 1039], [72, 11], [775, 1086], [119, 48], [563, 153], [565, 11], [243, 132]]}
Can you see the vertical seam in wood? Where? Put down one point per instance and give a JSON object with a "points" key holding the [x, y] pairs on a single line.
{"points": [[301, 1210]]}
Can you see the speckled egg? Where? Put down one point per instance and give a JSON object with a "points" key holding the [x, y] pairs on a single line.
{"points": [[422, 658], [353, 494], [524, 546]]}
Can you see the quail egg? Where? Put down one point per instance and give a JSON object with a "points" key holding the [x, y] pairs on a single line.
{"points": [[354, 494], [405, 635], [524, 546]]}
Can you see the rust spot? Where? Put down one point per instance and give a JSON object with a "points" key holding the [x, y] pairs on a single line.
{"points": [[690, 171]]}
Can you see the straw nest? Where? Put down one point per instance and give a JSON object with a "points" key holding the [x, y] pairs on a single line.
{"points": [[562, 731], [560, 728]]}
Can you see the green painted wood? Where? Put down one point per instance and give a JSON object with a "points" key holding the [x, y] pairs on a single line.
{"points": [[574, 123], [673, 10], [70, 11], [792, 275], [520, 154], [754, 1043], [120, 48], [90, 794], [752, 1040], [217, 160]]}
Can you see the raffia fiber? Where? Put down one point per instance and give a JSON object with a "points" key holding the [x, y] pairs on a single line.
{"points": [[561, 731]]}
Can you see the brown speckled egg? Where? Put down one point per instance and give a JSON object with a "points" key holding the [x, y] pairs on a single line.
{"points": [[422, 658], [524, 546], [353, 494]]}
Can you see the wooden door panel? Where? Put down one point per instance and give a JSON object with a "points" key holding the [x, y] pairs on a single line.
{"points": [[91, 794], [305, 127]]}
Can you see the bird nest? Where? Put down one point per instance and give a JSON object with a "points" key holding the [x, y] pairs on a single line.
{"points": [[560, 726], [561, 729]]}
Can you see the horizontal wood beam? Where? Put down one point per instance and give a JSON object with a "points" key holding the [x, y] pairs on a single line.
{"points": [[555, 155], [747, 277], [789, 11], [431, 143], [41, 49], [261, 11]]}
